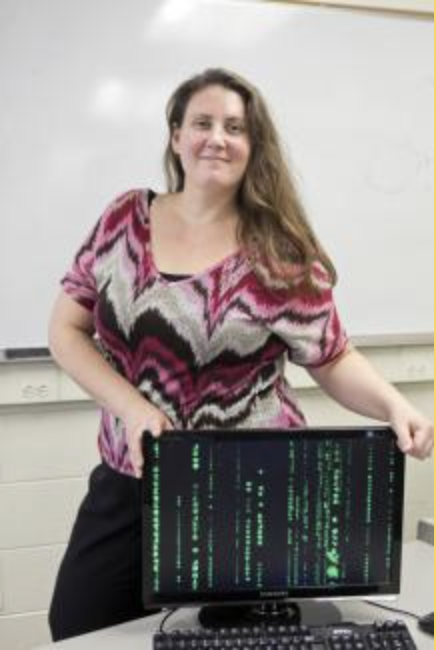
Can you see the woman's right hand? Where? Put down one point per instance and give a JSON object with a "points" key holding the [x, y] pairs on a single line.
{"points": [[144, 417]]}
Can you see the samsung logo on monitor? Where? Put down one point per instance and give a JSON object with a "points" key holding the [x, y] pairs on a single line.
{"points": [[273, 594]]}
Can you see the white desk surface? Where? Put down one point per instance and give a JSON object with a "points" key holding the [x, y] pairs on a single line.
{"points": [[416, 596]]}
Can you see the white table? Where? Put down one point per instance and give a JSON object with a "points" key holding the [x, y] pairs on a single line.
{"points": [[416, 596]]}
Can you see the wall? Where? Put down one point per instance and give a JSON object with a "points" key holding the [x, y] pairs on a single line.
{"points": [[48, 444]]}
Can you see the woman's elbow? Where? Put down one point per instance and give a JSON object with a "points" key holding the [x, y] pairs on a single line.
{"points": [[68, 322], [55, 338]]}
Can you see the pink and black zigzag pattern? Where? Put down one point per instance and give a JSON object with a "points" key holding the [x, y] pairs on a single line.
{"points": [[208, 350]]}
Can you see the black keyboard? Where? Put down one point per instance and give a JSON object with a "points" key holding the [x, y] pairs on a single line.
{"points": [[389, 635]]}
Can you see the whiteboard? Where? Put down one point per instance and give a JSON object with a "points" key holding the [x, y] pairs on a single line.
{"points": [[84, 86]]}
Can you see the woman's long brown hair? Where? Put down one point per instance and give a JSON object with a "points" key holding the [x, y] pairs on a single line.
{"points": [[274, 230]]}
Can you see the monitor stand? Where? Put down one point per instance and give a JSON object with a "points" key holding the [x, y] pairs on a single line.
{"points": [[273, 613]]}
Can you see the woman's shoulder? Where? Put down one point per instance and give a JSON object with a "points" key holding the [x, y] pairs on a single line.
{"points": [[125, 205], [313, 274], [132, 197], [320, 276], [311, 285], [124, 211], [298, 278]]}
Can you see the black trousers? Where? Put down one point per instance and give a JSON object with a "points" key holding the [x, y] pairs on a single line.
{"points": [[100, 577]]}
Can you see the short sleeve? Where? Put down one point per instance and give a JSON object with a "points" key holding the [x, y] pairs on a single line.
{"points": [[80, 280], [310, 325]]}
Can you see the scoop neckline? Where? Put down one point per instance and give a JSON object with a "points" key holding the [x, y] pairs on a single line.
{"points": [[147, 196]]}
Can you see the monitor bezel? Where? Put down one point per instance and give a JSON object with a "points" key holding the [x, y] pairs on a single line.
{"points": [[332, 592]]}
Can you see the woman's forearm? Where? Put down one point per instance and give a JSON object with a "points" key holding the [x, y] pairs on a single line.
{"points": [[72, 346], [75, 351], [355, 384]]}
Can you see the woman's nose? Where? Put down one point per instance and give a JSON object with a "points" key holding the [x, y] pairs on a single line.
{"points": [[217, 135]]}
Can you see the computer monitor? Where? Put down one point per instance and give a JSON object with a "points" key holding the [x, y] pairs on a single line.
{"points": [[271, 516]]}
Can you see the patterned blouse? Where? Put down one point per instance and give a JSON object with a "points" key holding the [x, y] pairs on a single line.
{"points": [[209, 349]]}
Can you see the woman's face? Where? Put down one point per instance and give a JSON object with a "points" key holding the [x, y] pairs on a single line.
{"points": [[213, 143]]}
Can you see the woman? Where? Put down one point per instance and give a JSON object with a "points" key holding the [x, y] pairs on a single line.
{"points": [[197, 296]]}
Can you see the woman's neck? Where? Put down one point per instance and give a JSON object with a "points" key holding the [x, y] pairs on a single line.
{"points": [[199, 207]]}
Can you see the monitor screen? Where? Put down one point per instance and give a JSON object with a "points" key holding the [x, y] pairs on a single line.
{"points": [[271, 515]]}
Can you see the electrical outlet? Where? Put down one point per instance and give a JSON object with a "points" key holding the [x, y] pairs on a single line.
{"points": [[37, 392], [418, 371], [28, 383]]}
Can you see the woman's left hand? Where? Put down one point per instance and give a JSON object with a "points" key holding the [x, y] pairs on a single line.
{"points": [[415, 433], [353, 382]]}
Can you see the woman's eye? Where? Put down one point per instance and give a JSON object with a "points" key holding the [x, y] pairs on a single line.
{"points": [[202, 124], [235, 128]]}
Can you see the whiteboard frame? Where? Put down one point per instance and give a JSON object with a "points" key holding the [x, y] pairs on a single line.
{"points": [[414, 7]]}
